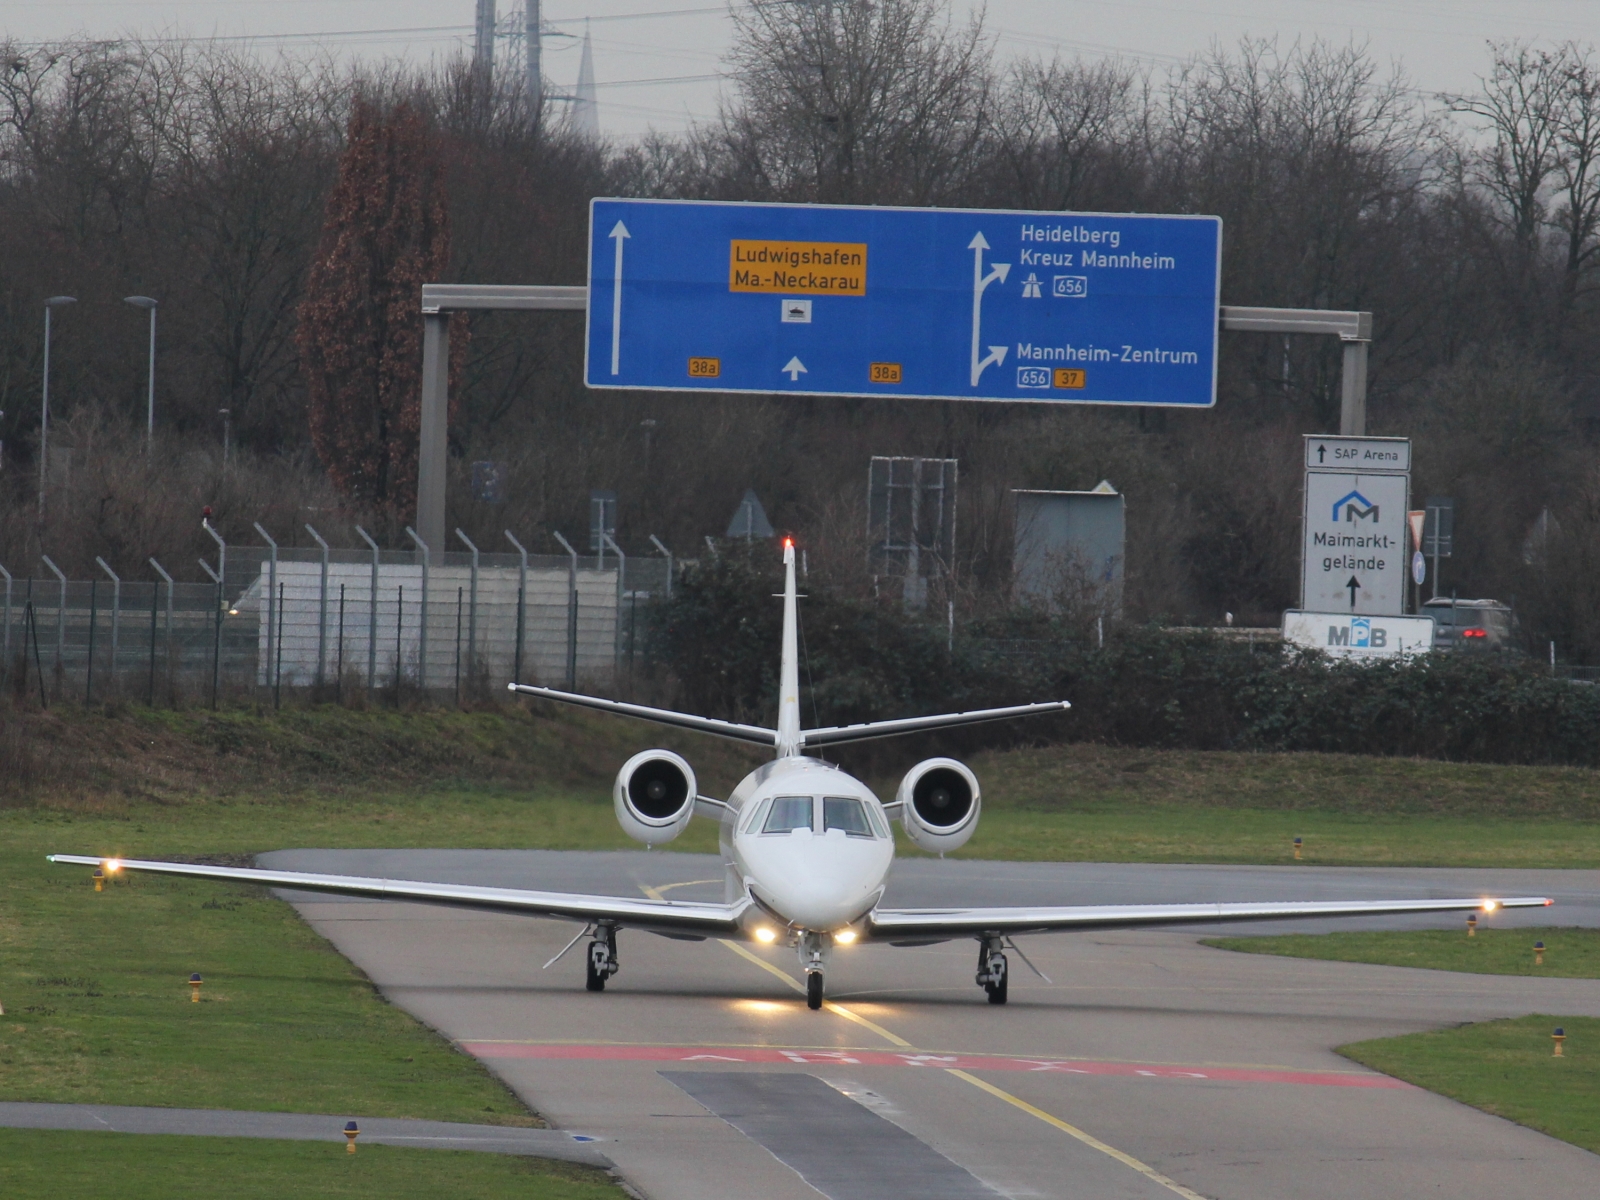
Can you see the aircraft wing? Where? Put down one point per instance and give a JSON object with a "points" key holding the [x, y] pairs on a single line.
{"points": [[941, 924], [661, 716], [834, 735], [669, 916]]}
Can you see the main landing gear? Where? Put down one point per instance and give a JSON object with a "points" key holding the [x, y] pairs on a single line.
{"points": [[992, 973], [602, 958]]}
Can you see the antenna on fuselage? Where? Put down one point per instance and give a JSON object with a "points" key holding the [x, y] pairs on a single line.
{"points": [[788, 742]]}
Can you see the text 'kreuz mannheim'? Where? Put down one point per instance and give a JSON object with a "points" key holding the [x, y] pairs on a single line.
{"points": [[1042, 247]]}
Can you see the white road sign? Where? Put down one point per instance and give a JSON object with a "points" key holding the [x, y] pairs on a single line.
{"points": [[1354, 554], [1363, 454], [1344, 636]]}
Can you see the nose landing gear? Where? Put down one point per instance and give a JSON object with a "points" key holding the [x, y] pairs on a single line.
{"points": [[602, 958], [992, 973], [813, 957]]}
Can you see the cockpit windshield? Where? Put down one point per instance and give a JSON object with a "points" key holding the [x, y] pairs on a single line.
{"points": [[846, 813], [788, 813]]}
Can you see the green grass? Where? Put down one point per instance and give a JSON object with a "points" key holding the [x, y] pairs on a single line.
{"points": [[1182, 833], [47, 1164], [1505, 1068], [97, 1006], [1569, 953], [1106, 804]]}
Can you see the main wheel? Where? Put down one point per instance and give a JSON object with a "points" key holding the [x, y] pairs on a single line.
{"points": [[999, 977], [594, 980], [814, 990]]}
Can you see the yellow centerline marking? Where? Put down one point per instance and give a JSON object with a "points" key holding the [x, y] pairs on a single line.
{"points": [[764, 964], [1088, 1139], [655, 892]]}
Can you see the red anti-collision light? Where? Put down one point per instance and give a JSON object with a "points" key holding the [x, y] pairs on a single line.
{"points": [[1477, 633]]}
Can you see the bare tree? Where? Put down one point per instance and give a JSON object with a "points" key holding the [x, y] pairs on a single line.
{"points": [[851, 101], [1068, 133], [1520, 105]]}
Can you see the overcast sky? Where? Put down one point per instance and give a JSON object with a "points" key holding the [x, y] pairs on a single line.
{"points": [[657, 61]]}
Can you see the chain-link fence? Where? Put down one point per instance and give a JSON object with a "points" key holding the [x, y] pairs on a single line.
{"points": [[447, 626]]}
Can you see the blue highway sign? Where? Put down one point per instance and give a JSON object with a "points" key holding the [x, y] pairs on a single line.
{"points": [[949, 304]]}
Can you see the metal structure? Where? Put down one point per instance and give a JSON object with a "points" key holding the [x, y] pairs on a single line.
{"points": [[1354, 331], [322, 607], [44, 398], [911, 519], [483, 39], [572, 609], [149, 305], [439, 300], [1070, 548], [602, 523], [116, 616], [372, 618], [272, 600], [472, 626]]}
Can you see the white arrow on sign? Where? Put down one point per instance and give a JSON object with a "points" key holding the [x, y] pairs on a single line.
{"points": [[794, 368], [619, 231], [980, 281]]}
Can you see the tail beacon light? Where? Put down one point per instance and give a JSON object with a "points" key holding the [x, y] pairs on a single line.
{"points": [[939, 804], [655, 795]]}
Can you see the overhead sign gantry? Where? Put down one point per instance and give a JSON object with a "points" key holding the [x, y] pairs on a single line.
{"points": [[948, 304], [1085, 308]]}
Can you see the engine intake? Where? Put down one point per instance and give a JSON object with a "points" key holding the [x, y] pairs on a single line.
{"points": [[939, 804], [654, 796]]}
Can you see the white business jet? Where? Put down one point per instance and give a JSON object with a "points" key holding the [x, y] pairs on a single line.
{"points": [[806, 850]]}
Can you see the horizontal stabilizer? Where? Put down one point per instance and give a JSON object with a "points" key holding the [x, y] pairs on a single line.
{"points": [[837, 734], [661, 716]]}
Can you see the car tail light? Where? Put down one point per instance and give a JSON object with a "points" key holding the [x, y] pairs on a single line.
{"points": [[1475, 633]]}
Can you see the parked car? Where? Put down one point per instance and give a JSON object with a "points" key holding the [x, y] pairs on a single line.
{"points": [[1471, 626]]}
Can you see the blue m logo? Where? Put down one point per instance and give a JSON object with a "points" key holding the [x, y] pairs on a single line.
{"points": [[1356, 508]]}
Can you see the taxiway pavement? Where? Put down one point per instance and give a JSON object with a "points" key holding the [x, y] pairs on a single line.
{"points": [[1151, 1066]]}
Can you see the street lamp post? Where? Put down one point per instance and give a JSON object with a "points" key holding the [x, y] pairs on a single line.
{"points": [[44, 404], [150, 401]]}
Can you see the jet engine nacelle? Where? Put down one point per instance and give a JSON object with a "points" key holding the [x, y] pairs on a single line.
{"points": [[939, 804], [654, 796]]}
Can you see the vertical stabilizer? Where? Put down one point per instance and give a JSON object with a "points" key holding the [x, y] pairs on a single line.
{"points": [[789, 675]]}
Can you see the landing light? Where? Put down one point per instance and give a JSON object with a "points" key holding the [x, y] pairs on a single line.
{"points": [[766, 935], [113, 865], [845, 936], [1489, 906]]}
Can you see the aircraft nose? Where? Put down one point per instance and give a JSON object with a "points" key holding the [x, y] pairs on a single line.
{"points": [[821, 882]]}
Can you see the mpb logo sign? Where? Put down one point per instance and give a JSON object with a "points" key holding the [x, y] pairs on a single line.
{"points": [[1358, 634]]}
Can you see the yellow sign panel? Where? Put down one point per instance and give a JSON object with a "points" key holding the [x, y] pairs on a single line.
{"points": [[798, 268], [1068, 377], [884, 372], [705, 368]]}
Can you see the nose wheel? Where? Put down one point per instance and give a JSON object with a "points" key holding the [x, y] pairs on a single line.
{"points": [[601, 961], [814, 949], [814, 990], [992, 970]]}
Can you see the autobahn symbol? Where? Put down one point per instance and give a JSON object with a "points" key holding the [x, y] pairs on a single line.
{"points": [[814, 299]]}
